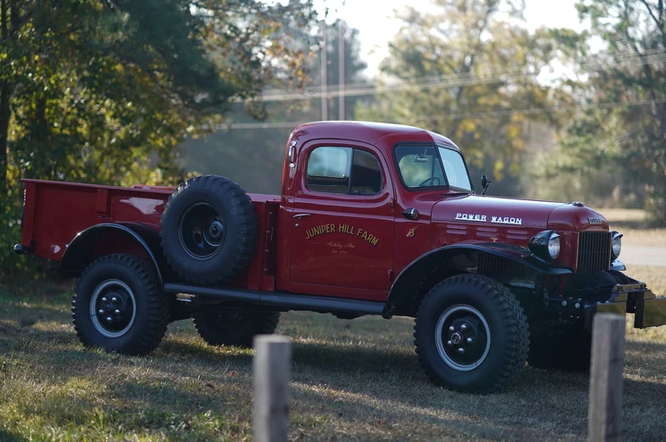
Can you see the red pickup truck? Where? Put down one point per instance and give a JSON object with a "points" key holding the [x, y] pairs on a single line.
{"points": [[373, 219]]}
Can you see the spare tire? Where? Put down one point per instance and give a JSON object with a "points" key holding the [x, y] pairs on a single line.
{"points": [[209, 230]]}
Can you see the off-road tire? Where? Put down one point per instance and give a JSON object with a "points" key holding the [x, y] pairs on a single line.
{"points": [[506, 322], [239, 221], [569, 349], [212, 328], [113, 274]]}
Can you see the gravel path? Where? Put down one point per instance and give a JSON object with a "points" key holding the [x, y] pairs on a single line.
{"points": [[644, 256]]}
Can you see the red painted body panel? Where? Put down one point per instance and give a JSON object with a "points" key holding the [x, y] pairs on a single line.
{"points": [[55, 212], [344, 245], [356, 233]]}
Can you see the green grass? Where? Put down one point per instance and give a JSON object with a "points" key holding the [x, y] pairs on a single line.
{"points": [[352, 380]]}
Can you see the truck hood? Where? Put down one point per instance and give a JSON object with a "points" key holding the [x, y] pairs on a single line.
{"points": [[492, 211]]}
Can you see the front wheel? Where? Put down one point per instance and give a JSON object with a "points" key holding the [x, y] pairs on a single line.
{"points": [[119, 306], [471, 334]]}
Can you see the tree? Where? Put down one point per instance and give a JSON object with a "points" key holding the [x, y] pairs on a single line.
{"points": [[625, 127], [86, 83], [103, 90], [466, 71], [254, 157]]}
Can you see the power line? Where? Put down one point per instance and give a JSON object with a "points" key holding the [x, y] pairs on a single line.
{"points": [[450, 81], [593, 59], [453, 80], [373, 90], [459, 116]]}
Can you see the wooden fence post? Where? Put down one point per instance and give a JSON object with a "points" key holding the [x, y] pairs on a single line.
{"points": [[605, 407], [272, 370]]}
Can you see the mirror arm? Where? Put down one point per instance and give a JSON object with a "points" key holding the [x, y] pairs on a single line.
{"points": [[485, 182]]}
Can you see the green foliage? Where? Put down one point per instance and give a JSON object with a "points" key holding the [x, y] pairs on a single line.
{"points": [[10, 232], [472, 69], [625, 129], [254, 157], [103, 91]]}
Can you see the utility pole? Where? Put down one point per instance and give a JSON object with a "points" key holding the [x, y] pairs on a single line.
{"points": [[341, 71], [324, 76]]}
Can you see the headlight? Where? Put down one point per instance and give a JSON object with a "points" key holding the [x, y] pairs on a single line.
{"points": [[545, 245], [617, 244], [554, 245]]}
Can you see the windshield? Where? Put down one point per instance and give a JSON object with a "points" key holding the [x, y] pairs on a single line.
{"points": [[431, 166]]}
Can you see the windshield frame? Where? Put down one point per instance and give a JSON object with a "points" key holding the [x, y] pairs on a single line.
{"points": [[437, 146]]}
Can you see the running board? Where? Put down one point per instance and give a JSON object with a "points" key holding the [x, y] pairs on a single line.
{"points": [[288, 301]]}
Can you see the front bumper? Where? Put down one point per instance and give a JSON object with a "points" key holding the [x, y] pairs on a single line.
{"points": [[648, 309]]}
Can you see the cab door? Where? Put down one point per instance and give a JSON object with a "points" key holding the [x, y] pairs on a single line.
{"points": [[342, 222]]}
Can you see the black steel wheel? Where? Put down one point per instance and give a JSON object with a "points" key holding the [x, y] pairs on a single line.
{"points": [[112, 308], [234, 328], [119, 305], [209, 230], [462, 337], [201, 231], [471, 334]]}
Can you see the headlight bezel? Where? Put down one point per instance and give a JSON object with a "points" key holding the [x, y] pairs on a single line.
{"points": [[616, 238], [546, 245]]}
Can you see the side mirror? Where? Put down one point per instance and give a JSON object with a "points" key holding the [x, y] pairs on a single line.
{"points": [[485, 183]]}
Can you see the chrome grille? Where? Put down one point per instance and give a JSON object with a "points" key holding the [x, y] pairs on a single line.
{"points": [[594, 251]]}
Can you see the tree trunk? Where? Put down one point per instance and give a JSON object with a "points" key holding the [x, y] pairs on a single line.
{"points": [[5, 114], [5, 110]]}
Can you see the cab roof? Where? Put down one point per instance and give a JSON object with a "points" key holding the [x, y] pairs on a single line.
{"points": [[367, 132]]}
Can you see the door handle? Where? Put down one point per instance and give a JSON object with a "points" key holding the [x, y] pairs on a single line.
{"points": [[301, 215]]}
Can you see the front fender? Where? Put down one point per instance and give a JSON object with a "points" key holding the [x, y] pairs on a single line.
{"points": [[452, 260], [79, 252]]}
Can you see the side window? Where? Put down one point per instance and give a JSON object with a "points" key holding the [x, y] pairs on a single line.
{"points": [[343, 170], [328, 169], [366, 175]]}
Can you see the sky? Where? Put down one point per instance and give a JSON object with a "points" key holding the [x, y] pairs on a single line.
{"points": [[376, 22]]}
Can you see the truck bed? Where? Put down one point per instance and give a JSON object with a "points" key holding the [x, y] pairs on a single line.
{"points": [[55, 212]]}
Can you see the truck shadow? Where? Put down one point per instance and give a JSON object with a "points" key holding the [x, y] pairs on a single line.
{"points": [[357, 385], [7, 436]]}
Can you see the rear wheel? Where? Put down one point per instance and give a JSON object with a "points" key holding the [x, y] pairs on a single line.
{"points": [[471, 334], [234, 328], [119, 306]]}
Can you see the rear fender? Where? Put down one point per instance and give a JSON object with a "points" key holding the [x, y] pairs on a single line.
{"points": [[421, 274], [136, 238]]}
